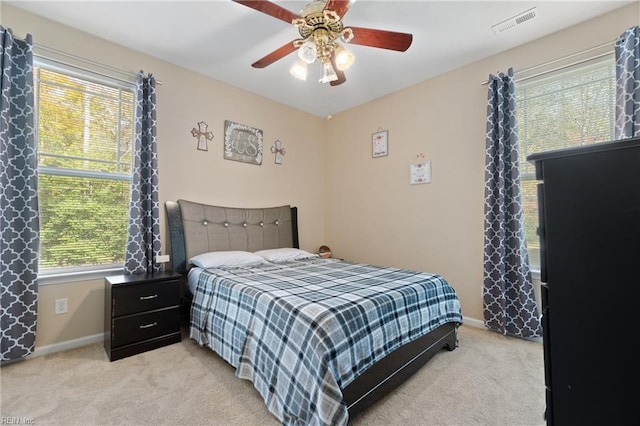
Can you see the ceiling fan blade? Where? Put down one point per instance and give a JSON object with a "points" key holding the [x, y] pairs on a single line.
{"points": [[341, 7], [277, 54], [341, 77], [270, 9], [380, 38]]}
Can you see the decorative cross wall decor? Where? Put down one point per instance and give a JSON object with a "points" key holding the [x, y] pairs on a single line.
{"points": [[203, 135], [279, 151]]}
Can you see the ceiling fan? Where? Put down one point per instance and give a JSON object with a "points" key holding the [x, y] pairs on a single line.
{"points": [[320, 27]]}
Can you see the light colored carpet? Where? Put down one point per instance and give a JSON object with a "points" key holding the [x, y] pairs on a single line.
{"points": [[488, 380]]}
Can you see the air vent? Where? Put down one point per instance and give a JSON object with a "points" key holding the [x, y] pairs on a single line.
{"points": [[515, 21]]}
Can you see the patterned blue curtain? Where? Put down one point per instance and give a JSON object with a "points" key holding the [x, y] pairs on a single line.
{"points": [[143, 242], [627, 49], [509, 302], [19, 221]]}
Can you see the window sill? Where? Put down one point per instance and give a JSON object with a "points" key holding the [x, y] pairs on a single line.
{"points": [[70, 277], [535, 274]]}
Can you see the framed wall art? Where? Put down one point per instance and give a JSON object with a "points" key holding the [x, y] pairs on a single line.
{"points": [[242, 143], [420, 173], [380, 143]]}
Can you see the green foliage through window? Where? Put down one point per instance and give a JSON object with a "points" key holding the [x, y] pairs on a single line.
{"points": [[85, 140]]}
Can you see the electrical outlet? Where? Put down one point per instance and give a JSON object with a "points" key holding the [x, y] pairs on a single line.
{"points": [[162, 259], [61, 306]]}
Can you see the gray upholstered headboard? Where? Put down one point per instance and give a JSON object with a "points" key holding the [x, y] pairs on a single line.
{"points": [[196, 228]]}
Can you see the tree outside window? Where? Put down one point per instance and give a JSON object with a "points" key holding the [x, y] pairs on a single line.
{"points": [[85, 139]]}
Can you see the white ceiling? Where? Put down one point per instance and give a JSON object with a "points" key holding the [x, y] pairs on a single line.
{"points": [[221, 39]]}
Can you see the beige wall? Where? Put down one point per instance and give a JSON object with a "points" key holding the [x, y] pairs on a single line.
{"points": [[363, 208], [184, 99], [373, 215]]}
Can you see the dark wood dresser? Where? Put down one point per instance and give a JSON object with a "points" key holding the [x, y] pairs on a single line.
{"points": [[589, 209], [142, 312]]}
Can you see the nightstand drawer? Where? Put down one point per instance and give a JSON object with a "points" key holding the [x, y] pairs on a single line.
{"points": [[145, 297], [147, 325]]}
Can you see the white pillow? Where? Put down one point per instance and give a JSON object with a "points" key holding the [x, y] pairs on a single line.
{"points": [[284, 254], [226, 259]]}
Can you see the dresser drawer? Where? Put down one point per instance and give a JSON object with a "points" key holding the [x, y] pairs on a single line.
{"points": [[147, 325], [145, 297]]}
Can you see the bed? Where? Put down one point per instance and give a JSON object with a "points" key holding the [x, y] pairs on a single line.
{"points": [[321, 339]]}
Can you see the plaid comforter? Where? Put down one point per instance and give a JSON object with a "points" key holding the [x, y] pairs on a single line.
{"points": [[302, 330]]}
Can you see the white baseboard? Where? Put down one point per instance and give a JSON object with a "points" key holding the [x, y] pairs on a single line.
{"points": [[473, 322], [67, 344]]}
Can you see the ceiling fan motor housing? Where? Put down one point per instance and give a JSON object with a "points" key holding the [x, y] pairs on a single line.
{"points": [[319, 20]]}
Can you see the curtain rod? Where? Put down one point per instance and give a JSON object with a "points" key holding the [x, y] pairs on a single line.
{"points": [[87, 61], [564, 58], [591, 58]]}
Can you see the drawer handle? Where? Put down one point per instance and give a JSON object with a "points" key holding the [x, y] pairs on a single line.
{"points": [[153, 296], [153, 324]]}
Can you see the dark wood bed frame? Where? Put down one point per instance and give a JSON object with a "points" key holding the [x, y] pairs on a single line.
{"points": [[378, 380]]}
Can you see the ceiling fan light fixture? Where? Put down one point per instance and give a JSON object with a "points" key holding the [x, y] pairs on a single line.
{"points": [[299, 70], [344, 58], [320, 27], [308, 51], [328, 73]]}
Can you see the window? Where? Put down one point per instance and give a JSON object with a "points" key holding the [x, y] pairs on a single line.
{"points": [[85, 139], [571, 107]]}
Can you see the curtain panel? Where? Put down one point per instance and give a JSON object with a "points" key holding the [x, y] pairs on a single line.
{"points": [[19, 220], [627, 51], [143, 242], [508, 297]]}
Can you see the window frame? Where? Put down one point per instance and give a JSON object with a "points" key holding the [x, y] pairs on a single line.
{"points": [[87, 272], [607, 59]]}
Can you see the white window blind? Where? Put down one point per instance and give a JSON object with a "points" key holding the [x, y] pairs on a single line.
{"points": [[571, 107], [85, 139]]}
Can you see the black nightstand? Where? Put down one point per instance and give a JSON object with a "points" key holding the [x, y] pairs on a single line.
{"points": [[141, 312]]}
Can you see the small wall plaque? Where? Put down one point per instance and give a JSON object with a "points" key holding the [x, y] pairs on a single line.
{"points": [[420, 173]]}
